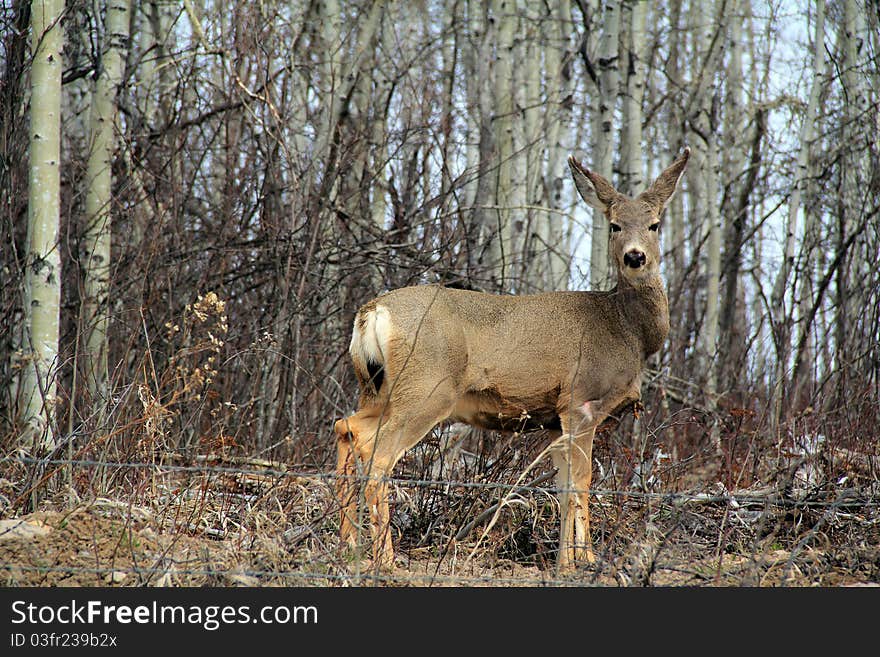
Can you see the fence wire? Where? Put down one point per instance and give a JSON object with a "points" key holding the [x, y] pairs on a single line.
{"points": [[848, 497]]}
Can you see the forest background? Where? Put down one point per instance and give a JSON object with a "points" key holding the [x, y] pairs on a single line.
{"points": [[196, 196]]}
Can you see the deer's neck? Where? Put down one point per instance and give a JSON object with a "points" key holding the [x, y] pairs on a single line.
{"points": [[644, 309]]}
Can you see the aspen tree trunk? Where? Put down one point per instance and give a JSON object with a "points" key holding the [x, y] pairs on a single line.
{"points": [[712, 31], [782, 320], [384, 87], [844, 220], [632, 148], [738, 181], [504, 12], [42, 283], [603, 132], [713, 248], [146, 95], [674, 234], [804, 296], [331, 80], [555, 233], [854, 185], [341, 71], [763, 331], [675, 216], [358, 128], [332, 77], [98, 196], [450, 60], [713, 274], [486, 251], [471, 62], [225, 73], [146, 40], [702, 196], [301, 87], [533, 252], [161, 26], [410, 176]]}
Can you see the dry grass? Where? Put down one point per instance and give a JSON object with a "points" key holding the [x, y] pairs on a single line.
{"points": [[218, 525]]}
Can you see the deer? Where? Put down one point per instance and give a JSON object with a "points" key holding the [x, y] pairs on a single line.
{"points": [[562, 361]]}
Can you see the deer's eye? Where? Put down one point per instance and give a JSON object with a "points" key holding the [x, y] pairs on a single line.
{"points": [[614, 228], [655, 227]]}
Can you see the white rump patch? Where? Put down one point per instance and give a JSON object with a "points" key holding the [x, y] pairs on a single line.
{"points": [[372, 344]]}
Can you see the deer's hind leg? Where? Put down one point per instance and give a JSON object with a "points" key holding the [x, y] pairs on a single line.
{"points": [[347, 486], [350, 432], [377, 442]]}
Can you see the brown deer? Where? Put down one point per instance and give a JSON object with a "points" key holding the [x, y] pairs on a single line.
{"points": [[563, 361]]}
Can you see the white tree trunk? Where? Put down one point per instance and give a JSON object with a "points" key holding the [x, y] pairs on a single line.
{"points": [[713, 265], [554, 230], [675, 234], [471, 59], [331, 76], [96, 239], [162, 17], [504, 12], [42, 284], [384, 86], [603, 133], [857, 126], [485, 256], [532, 253], [782, 318], [735, 174], [803, 173], [712, 33], [632, 148], [357, 123], [450, 61]]}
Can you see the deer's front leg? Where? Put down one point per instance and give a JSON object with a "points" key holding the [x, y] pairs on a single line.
{"points": [[573, 458], [574, 470], [582, 422]]}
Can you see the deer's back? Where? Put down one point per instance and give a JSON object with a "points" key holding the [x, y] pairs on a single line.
{"points": [[514, 346]]}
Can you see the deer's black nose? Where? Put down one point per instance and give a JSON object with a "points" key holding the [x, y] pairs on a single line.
{"points": [[634, 259]]}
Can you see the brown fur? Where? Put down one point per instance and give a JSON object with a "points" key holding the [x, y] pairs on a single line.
{"points": [[560, 360]]}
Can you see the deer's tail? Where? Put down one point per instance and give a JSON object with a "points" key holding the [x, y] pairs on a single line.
{"points": [[369, 347]]}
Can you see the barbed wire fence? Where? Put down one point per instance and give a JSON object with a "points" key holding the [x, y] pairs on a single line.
{"points": [[642, 536]]}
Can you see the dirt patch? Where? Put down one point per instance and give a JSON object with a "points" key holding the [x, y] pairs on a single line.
{"points": [[86, 546]]}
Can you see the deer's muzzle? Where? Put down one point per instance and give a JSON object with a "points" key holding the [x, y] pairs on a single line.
{"points": [[634, 258]]}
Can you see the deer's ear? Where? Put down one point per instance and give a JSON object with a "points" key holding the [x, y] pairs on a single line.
{"points": [[661, 190], [592, 187]]}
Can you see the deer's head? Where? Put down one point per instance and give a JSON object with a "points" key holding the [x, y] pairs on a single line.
{"points": [[634, 224]]}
